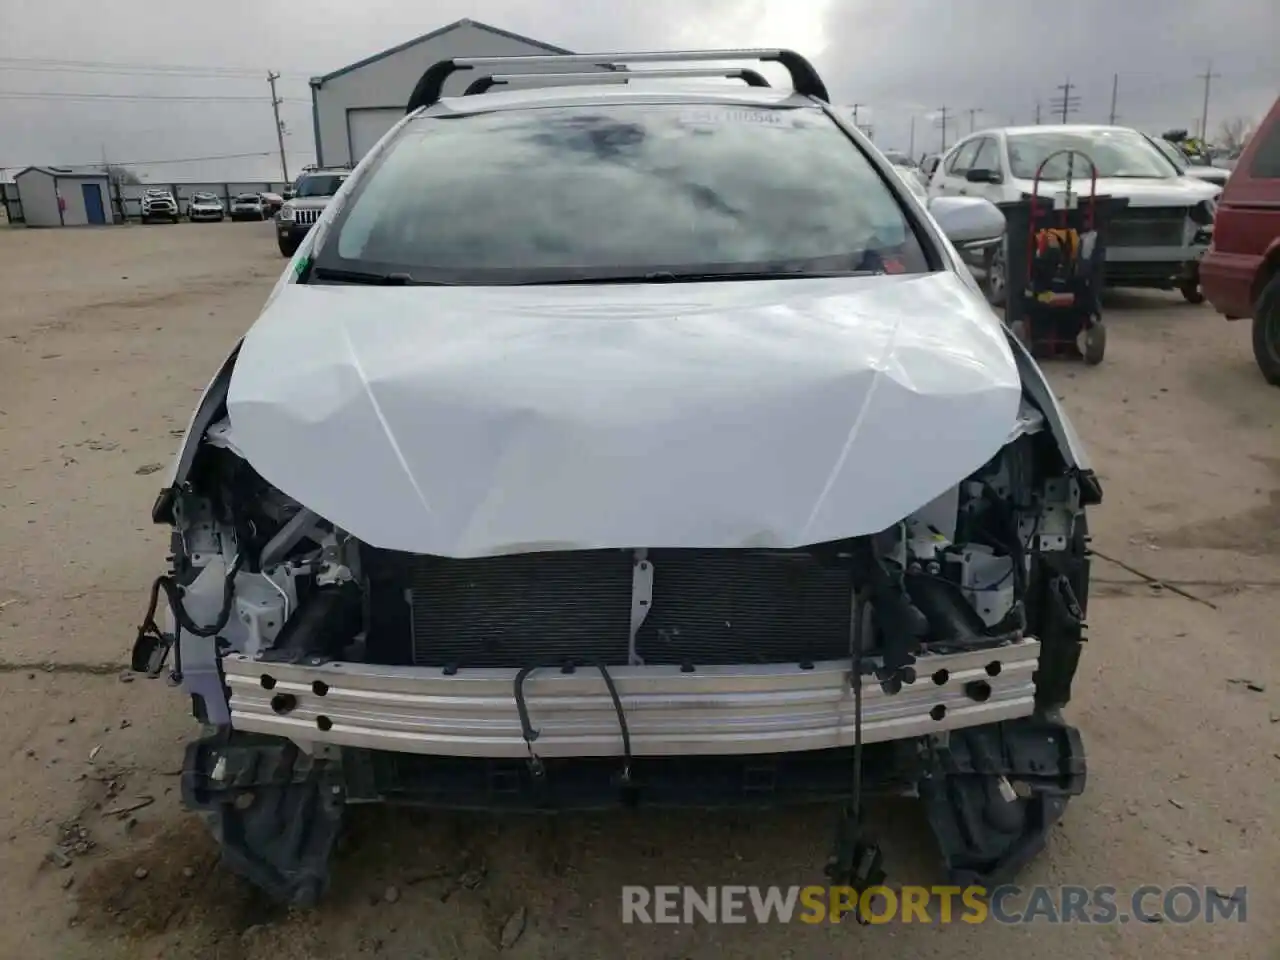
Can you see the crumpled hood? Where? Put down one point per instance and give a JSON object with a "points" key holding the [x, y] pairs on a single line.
{"points": [[477, 421]]}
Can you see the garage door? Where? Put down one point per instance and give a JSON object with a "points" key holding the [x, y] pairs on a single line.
{"points": [[365, 128]]}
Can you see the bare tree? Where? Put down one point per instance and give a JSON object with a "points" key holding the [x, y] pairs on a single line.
{"points": [[121, 175], [1234, 133]]}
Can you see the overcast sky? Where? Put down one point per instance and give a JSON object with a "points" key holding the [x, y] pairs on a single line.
{"points": [[897, 58]]}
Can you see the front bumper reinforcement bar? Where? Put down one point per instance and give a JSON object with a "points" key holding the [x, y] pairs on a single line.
{"points": [[708, 711]]}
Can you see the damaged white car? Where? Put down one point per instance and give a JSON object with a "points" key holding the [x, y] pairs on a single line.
{"points": [[619, 444]]}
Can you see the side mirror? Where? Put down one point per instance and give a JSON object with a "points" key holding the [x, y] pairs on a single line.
{"points": [[968, 222], [983, 175]]}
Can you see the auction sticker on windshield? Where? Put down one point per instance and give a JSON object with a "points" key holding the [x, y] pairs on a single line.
{"points": [[714, 116]]}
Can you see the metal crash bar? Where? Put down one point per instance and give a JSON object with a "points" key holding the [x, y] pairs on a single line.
{"points": [[804, 78], [752, 78]]}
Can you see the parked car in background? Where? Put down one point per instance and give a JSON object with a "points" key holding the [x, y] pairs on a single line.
{"points": [[1241, 271], [911, 177], [311, 194], [272, 202], [1155, 242], [1209, 174], [205, 206], [248, 206], [898, 158], [158, 203], [502, 505]]}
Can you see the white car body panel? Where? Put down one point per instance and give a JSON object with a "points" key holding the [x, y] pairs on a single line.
{"points": [[477, 421], [1217, 176]]}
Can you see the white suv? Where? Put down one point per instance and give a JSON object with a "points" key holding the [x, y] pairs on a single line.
{"points": [[599, 447], [159, 204]]}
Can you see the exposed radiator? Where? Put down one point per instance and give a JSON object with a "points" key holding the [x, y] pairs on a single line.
{"points": [[706, 607]]}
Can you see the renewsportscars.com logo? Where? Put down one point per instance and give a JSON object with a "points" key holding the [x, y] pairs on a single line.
{"points": [[1009, 904]]}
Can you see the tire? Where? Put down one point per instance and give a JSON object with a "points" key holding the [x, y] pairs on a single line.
{"points": [[996, 283], [287, 247], [1191, 292], [1266, 331], [1095, 344]]}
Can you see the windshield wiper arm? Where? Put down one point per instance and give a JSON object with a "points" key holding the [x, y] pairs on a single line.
{"points": [[373, 279], [666, 276]]}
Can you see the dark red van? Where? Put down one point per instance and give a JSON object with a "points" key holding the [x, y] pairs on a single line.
{"points": [[1240, 273]]}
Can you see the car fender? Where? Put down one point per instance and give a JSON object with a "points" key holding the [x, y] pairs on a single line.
{"points": [[1036, 387], [211, 405]]}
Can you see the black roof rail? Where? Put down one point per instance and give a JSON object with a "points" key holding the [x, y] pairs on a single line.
{"points": [[804, 78], [485, 83]]}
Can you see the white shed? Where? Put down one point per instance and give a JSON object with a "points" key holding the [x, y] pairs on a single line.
{"points": [[64, 196], [353, 107]]}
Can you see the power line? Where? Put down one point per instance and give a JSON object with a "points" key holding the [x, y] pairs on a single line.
{"points": [[76, 66], [193, 74], [146, 163], [218, 156], [176, 98]]}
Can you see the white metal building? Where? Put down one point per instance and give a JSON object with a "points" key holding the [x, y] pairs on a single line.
{"points": [[64, 196], [353, 107]]}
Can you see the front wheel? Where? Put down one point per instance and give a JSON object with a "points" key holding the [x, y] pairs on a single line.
{"points": [[287, 247], [1266, 331], [1095, 344], [1191, 292]]}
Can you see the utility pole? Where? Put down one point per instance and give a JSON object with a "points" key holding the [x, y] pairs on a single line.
{"points": [[973, 112], [1068, 102], [1115, 89], [275, 108], [911, 146], [1037, 113], [1208, 77], [941, 121], [855, 113]]}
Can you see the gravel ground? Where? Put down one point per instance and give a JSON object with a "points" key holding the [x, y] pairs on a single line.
{"points": [[106, 339]]}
